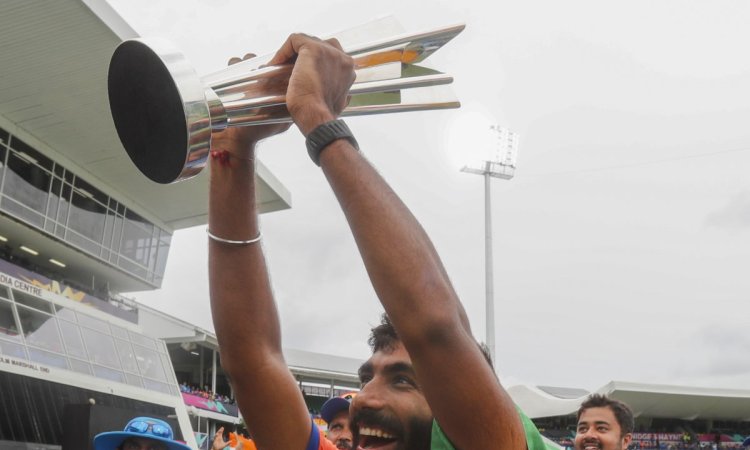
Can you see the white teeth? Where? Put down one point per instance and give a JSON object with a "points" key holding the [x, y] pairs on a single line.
{"points": [[375, 432]]}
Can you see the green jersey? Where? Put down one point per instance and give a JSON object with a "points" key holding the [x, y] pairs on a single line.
{"points": [[534, 440]]}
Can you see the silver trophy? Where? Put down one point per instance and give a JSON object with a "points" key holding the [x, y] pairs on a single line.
{"points": [[165, 113]]}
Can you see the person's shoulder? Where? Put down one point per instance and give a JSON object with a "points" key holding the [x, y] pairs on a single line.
{"points": [[534, 440], [325, 444], [438, 439]]}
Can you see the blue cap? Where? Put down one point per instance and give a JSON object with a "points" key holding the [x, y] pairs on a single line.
{"points": [[140, 427], [335, 405]]}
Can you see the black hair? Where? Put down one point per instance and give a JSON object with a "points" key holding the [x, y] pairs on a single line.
{"points": [[623, 413], [384, 337]]}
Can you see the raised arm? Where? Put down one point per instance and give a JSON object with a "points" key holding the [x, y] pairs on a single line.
{"points": [[242, 304], [465, 397]]}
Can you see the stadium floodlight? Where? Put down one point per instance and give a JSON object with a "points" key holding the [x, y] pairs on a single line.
{"points": [[501, 160], [501, 163]]}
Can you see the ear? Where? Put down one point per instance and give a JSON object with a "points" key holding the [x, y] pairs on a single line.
{"points": [[626, 440]]}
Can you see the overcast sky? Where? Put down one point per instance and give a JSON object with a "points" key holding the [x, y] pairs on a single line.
{"points": [[622, 245]]}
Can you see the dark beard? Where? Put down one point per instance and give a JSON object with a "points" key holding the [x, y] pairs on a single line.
{"points": [[420, 434], [597, 442], [416, 436], [342, 444]]}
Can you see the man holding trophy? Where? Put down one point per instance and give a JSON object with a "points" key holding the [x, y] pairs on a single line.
{"points": [[427, 384]]}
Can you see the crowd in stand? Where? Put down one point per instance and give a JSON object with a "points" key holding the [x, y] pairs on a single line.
{"points": [[205, 393], [686, 442]]}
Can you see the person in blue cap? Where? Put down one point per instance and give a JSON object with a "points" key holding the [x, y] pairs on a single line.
{"points": [[335, 411], [141, 433]]}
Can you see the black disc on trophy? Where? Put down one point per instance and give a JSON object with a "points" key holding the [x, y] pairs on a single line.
{"points": [[148, 111]]}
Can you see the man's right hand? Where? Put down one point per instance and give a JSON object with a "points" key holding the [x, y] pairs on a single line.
{"points": [[319, 85], [242, 140]]}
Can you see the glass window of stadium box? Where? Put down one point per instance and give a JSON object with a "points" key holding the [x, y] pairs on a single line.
{"points": [[87, 217], [3, 154], [133, 380], [13, 349], [142, 340], [108, 374], [26, 183], [101, 348], [149, 363], [47, 358], [32, 301], [39, 329], [3, 139], [93, 323], [53, 204], [42, 193], [8, 326], [65, 313], [80, 366], [119, 332], [72, 339], [127, 356]]}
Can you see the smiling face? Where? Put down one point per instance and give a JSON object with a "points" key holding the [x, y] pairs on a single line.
{"points": [[338, 431], [390, 412], [598, 429]]}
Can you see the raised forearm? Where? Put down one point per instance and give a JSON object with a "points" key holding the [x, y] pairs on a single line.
{"points": [[414, 288], [401, 261], [244, 313], [238, 272]]}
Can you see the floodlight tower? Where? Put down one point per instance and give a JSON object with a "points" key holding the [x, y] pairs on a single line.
{"points": [[500, 163]]}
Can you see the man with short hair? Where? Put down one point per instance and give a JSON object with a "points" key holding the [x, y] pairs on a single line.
{"points": [[604, 424], [141, 433], [335, 411], [435, 373]]}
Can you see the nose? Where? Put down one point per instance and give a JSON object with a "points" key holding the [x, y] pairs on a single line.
{"points": [[346, 434], [589, 433], [370, 397]]}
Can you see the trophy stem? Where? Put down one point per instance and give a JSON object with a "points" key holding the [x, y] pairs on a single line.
{"points": [[239, 111]]}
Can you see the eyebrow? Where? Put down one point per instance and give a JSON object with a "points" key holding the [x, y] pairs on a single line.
{"points": [[596, 422], [397, 367]]}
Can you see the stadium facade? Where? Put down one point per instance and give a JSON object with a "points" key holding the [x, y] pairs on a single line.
{"points": [[79, 225]]}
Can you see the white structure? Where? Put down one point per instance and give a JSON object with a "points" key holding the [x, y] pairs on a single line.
{"points": [[500, 163], [78, 225], [645, 399]]}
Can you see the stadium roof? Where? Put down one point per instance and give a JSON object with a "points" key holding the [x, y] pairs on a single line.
{"points": [[648, 400], [307, 366], [53, 95]]}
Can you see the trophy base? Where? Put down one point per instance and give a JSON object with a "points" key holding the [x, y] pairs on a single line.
{"points": [[159, 109]]}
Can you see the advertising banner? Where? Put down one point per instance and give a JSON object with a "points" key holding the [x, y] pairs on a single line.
{"points": [[210, 405], [18, 278]]}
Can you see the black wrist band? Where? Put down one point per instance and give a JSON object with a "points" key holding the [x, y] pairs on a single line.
{"points": [[326, 133]]}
